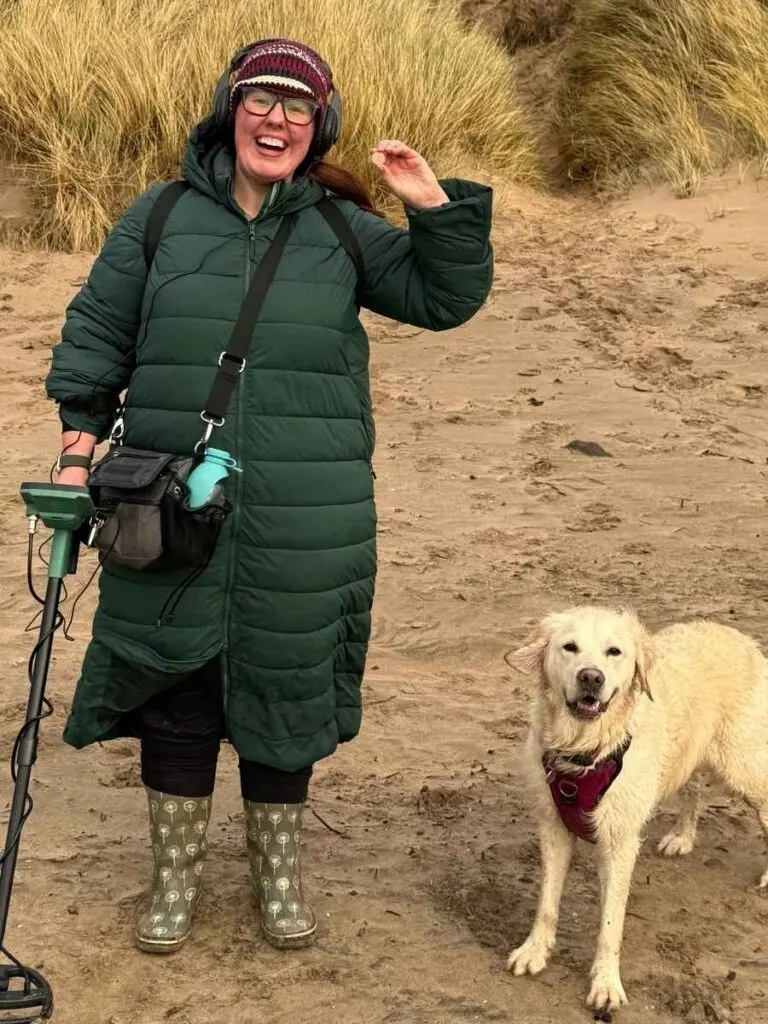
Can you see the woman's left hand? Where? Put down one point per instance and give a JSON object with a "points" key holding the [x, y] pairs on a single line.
{"points": [[407, 174]]}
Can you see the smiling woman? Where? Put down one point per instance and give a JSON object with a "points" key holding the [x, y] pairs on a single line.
{"points": [[265, 647], [279, 92]]}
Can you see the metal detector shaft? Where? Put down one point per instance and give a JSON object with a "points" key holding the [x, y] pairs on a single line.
{"points": [[63, 509], [28, 745]]}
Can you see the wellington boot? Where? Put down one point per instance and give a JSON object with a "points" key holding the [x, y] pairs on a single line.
{"points": [[274, 834], [178, 827]]}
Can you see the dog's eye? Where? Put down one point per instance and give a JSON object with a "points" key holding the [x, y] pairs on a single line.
{"points": [[613, 652], [571, 647]]}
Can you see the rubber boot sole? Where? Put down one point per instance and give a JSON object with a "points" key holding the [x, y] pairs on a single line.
{"points": [[302, 941], [159, 945]]}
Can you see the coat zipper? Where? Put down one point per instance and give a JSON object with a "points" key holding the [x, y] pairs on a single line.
{"points": [[238, 486]]}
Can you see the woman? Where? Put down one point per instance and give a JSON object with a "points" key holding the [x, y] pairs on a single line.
{"points": [[267, 648]]}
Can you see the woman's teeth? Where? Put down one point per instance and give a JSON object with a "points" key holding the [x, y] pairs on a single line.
{"points": [[271, 144]]}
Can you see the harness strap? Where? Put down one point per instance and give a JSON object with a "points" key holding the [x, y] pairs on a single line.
{"points": [[588, 760], [158, 215], [340, 226]]}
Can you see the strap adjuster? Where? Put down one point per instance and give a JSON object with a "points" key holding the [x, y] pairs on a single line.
{"points": [[234, 359]]}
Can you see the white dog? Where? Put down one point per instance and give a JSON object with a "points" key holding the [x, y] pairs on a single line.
{"points": [[621, 721]]}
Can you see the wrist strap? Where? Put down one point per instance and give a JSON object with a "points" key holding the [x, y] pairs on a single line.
{"points": [[81, 461]]}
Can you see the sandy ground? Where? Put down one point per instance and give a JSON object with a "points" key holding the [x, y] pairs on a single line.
{"points": [[641, 327]]}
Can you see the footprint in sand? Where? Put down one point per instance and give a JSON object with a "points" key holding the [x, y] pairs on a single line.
{"points": [[544, 431], [595, 517], [127, 776]]}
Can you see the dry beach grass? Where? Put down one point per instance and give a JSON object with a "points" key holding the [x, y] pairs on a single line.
{"points": [[97, 96]]}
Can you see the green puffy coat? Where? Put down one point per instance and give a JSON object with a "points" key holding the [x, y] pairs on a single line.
{"points": [[287, 597]]}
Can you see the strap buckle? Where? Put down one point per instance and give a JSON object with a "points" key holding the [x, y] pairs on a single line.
{"points": [[234, 359]]}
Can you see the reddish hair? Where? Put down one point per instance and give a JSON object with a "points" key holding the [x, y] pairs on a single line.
{"points": [[343, 183]]}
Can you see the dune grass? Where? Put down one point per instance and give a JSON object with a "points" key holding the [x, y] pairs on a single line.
{"points": [[97, 96], [518, 23], [670, 89]]}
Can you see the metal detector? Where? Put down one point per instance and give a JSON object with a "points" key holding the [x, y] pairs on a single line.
{"points": [[63, 509]]}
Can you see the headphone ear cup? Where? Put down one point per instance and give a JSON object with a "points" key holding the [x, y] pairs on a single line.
{"points": [[221, 101], [221, 93], [329, 128]]}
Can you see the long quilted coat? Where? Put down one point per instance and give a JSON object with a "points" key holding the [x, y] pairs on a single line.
{"points": [[287, 598]]}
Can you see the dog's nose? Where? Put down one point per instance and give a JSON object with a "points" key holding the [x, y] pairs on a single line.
{"points": [[590, 679]]}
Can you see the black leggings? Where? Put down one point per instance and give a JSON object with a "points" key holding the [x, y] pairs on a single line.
{"points": [[181, 730]]}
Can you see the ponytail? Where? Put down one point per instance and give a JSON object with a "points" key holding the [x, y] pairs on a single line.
{"points": [[343, 184]]}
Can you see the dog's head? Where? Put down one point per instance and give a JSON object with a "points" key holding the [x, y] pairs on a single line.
{"points": [[587, 657]]}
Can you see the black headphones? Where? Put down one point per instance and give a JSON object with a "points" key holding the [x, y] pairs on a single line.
{"points": [[328, 127]]}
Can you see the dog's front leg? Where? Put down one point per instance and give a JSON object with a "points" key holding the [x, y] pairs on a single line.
{"points": [[617, 863], [556, 849]]}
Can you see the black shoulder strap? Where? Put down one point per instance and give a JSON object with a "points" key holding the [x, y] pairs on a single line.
{"points": [[339, 224], [232, 362], [158, 215]]}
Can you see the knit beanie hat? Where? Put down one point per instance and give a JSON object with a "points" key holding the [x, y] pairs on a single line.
{"points": [[286, 66]]}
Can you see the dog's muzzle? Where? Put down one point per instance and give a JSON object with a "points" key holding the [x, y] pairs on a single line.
{"points": [[587, 705]]}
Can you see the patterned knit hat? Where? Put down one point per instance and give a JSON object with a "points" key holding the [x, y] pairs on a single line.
{"points": [[286, 66]]}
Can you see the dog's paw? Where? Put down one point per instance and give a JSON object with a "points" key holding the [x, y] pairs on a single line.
{"points": [[676, 844], [530, 958], [607, 992]]}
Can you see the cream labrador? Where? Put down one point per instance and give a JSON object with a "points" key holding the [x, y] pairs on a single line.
{"points": [[621, 721]]}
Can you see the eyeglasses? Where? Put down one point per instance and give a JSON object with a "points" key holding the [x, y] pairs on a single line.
{"points": [[297, 110]]}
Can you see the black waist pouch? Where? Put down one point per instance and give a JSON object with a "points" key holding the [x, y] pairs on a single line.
{"points": [[142, 519]]}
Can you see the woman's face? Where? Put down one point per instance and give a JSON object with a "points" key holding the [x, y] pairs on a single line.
{"points": [[268, 147]]}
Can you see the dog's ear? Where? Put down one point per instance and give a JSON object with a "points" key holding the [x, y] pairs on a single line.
{"points": [[643, 660], [530, 656]]}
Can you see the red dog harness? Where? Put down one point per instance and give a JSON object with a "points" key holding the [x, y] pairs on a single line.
{"points": [[577, 795]]}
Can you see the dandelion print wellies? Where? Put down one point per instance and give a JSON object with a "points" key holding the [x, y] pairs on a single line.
{"points": [[178, 827], [273, 834]]}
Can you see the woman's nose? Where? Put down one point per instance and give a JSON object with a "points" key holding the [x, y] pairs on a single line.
{"points": [[276, 115]]}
